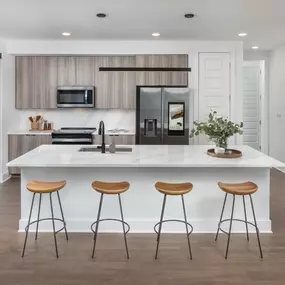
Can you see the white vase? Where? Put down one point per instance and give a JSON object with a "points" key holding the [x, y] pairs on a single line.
{"points": [[219, 150]]}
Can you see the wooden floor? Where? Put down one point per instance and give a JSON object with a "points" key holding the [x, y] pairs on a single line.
{"points": [[111, 267]]}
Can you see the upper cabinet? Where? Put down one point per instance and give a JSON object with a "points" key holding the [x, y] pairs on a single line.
{"points": [[115, 89], [36, 81], [37, 78], [165, 78], [66, 67], [85, 71]]}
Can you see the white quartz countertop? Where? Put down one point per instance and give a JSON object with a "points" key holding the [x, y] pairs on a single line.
{"points": [[141, 156]]}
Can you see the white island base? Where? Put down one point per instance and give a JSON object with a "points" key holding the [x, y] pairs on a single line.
{"points": [[142, 202]]}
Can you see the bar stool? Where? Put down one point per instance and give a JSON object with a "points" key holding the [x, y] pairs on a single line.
{"points": [[39, 187], [241, 189], [110, 188], [173, 190]]}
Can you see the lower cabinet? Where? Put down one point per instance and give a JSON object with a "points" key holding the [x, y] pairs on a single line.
{"points": [[118, 139], [21, 144]]}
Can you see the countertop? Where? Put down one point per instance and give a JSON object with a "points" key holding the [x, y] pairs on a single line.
{"points": [[141, 156], [129, 133]]}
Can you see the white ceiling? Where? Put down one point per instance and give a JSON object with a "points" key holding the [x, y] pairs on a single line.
{"points": [[263, 20]]}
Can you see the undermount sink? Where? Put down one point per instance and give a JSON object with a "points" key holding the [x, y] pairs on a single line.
{"points": [[98, 149]]}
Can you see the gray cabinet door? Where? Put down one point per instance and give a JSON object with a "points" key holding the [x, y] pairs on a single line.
{"points": [[66, 70], [115, 89], [21, 144], [36, 81], [85, 70], [162, 78]]}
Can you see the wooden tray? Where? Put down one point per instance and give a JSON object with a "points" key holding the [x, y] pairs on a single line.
{"points": [[235, 153]]}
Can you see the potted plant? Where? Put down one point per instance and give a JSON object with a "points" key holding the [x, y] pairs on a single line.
{"points": [[218, 129]]}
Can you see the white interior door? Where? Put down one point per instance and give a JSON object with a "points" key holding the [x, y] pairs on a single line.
{"points": [[214, 86], [251, 103]]}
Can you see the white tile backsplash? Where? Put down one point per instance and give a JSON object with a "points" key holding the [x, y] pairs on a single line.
{"points": [[113, 118]]}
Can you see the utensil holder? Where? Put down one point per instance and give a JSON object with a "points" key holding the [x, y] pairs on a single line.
{"points": [[35, 125]]}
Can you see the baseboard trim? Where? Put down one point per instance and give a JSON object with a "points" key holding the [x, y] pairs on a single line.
{"points": [[145, 226], [4, 177]]}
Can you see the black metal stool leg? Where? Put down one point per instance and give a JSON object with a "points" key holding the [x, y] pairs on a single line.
{"points": [[221, 216], [230, 230], [39, 211], [160, 225], [97, 225], [187, 233], [245, 216], [257, 230], [66, 235], [27, 229], [123, 224], [53, 225]]}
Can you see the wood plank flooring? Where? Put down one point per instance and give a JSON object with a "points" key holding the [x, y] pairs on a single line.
{"points": [[110, 266]]}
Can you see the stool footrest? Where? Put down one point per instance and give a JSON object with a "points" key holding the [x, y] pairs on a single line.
{"points": [[116, 220], [236, 220], [172, 220], [47, 219]]}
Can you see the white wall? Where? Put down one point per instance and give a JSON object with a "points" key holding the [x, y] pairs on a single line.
{"points": [[2, 49], [8, 114], [121, 119], [277, 104]]}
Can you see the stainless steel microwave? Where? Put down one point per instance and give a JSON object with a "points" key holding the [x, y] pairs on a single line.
{"points": [[75, 97]]}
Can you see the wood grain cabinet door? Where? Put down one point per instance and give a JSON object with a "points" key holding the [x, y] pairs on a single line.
{"points": [[85, 70], [162, 78], [24, 83], [36, 82], [66, 70], [119, 139], [21, 144], [114, 89]]}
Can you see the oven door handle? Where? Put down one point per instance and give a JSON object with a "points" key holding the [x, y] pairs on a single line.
{"points": [[64, 140]]}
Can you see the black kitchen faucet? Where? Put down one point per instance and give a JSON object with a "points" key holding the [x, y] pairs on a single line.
{"points": [[101, 132]]}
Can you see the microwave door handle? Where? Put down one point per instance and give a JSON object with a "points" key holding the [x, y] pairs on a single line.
{"points": [[86, 96]]}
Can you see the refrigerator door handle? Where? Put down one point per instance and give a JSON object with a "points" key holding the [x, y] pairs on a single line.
{"points": [[162, 117]]}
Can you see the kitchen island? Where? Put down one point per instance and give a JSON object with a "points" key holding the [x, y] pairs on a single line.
{"points": [[142, 167]]}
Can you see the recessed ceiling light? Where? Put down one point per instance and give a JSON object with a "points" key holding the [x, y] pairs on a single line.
{"points": [[255, 47], [66, 34], [101, 15], [189, 16], [155, 34], [242, 34]]}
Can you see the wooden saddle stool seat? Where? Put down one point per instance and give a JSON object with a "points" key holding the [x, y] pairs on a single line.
{"points": [[246, 188], [40, 187], [110, 187], [174, 188]]}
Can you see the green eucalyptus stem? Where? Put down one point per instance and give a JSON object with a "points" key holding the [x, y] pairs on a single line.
{"points": [[218, 129]]}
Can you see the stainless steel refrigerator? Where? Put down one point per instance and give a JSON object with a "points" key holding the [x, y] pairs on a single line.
{"points": [[162, 116]]}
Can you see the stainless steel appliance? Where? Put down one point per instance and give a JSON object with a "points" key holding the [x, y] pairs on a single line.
{"points": [[73, 136], [75, 96], [162, 116]]}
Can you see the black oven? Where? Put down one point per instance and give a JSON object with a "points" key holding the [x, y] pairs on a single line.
{"points": [[75, 97]]}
